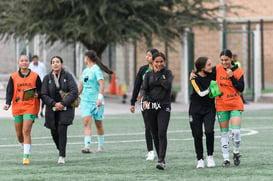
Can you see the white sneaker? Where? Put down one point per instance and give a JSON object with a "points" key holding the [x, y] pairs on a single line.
{"points": [[61, 160], [86, 150], [200, 164], [210, 161], [100, 149], [150, 155]]}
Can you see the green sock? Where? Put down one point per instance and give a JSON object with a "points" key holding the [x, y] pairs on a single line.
{"points": [[87, 141], [26, 155], [100, 140]]}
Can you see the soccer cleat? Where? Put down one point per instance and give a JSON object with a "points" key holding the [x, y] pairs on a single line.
{"points": [[161, 165], [210, 161], [100, 149], [26, 161], [236, 159], [61, 160], [86, 150], [200, 164], [150, 155], [226, 163]]}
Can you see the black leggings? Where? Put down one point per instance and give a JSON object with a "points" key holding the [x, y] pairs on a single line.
{"points": [[197, 132], [59, 136], [148, 132], [158, 122]]}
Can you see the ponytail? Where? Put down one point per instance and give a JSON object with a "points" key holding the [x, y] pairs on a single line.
{"points": [[94, 58]]}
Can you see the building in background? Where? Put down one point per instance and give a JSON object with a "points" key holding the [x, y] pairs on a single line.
{"points": [[237, 34]]}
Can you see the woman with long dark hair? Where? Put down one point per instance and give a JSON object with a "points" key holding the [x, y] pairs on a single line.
{"points": [[59, 113], [202, 111], [138, 82], [92, 101], [229, 106], [156, 93]]}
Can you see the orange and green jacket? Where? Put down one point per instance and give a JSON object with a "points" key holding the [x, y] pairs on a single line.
{"points": [[229, 86], [16, 86]]}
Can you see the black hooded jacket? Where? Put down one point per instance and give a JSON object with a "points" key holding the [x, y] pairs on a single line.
{"points": [[157, 86]]}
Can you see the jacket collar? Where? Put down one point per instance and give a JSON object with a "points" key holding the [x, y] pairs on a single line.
{"points": [[22, 75]]}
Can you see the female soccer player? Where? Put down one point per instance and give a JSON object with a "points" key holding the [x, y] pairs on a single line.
{"points": [[202, 111], [156, 93], [24, 111], [229, 107], [138, 82], [92, 101]]}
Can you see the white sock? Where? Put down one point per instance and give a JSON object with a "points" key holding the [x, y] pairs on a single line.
{"points": [[27, 149], [225, 145], [236, 140]]}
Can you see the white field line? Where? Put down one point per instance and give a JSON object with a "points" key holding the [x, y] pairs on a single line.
{"points": [[248, 133], [258, 118], [115, 134]]}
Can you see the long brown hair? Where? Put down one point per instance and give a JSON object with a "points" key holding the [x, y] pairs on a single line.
{"points": [[92, 55], [200, 63]]}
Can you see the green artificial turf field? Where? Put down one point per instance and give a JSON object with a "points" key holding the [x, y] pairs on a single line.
{"points": [[125, 150]]}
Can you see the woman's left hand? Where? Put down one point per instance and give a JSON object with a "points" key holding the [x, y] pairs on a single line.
{"points": [[99, 102], [229, 72], [36, 95]]}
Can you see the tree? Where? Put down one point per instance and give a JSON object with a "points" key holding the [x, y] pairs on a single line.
{"points": [[97, 23]]}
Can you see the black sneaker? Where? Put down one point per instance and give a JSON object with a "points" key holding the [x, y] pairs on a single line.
{"points": [[226, 164], [161, 165], [236, 159]]}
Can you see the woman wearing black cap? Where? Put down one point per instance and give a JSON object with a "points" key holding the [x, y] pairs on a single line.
{"points": [[138, 82], [156, 93]]}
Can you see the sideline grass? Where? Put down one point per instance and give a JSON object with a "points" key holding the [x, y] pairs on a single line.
{"points": [[124, 156]]}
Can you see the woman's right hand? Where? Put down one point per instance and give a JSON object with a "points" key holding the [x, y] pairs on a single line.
{"points": [[193, 75], [145, 104], [132, 109], [6, 107], [59, 106]]}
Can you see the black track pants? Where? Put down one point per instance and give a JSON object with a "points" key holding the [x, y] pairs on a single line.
{"points": [[158, 122], [148, 132], [59, 136], [196, 124]]}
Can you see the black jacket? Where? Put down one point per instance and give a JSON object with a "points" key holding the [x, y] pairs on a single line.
{"points": [[138, 83], [200, 105], [51, 96], [157, 86]]}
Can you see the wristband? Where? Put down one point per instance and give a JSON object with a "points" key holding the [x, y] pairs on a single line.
{"points": [[100, 96]]}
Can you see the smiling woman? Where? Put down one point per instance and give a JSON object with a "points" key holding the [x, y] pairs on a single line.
{"points": [[229, 107], [24, 111], [156, 93], [59, 113]]}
